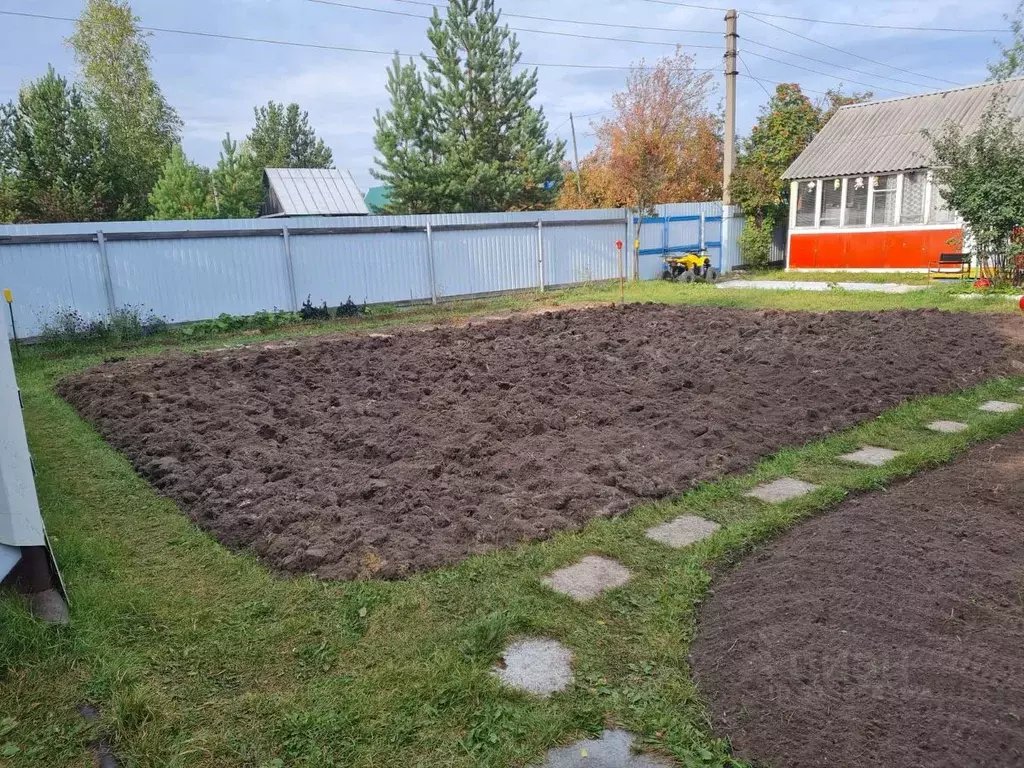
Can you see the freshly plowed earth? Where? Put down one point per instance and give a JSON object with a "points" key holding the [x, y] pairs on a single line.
{"points": [[378, 456], [887, 632]]}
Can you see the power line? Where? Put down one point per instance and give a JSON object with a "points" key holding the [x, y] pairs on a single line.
{"points": [[855, 55], [612, 25], [319, 46], [772, 82], [818, 72], [956, 30], [747, 67], [833, 64], [519, 29]]}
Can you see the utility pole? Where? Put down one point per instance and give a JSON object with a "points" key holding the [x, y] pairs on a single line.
{"points": [[729, 161], [575, 155]]}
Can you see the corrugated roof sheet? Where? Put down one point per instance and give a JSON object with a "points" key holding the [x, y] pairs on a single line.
{"points": [[886, 136], [313, 192]]}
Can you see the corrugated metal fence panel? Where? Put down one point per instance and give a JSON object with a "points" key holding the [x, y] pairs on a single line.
{"points": [[166, 268], [581, 254], [198, 278], [47, 278], [371, 267], [485, 260]]}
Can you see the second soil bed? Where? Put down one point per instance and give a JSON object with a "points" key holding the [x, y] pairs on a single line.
{"points": [[380, 456]]}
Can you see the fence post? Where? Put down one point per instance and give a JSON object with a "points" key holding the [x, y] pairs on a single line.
{"points": [[108, 283], [628, 239], [290, 267], [540, 254], [703, 234], [430, 263]]}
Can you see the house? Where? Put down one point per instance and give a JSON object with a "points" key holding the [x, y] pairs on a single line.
{"points": [[862, 195], [311, 192], [377, 198]]}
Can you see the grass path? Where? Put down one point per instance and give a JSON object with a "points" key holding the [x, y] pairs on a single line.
{"points": [[196, 656]]}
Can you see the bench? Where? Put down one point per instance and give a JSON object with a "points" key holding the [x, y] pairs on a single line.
{"points": [[950, 265]]}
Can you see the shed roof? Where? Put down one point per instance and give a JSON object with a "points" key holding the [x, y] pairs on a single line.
{"points": [[313, 192], [886, 136]]}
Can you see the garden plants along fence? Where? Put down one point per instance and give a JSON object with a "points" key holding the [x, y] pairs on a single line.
{"points": [[187, 271]]}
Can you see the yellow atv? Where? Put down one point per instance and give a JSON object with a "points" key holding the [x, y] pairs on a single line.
{"points": [[689, 267]]}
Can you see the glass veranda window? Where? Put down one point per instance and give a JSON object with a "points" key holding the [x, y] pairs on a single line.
{"points": [[912, 206], [806, 203], [856, 201], [883, 207], [831, 202], [939, 212]]}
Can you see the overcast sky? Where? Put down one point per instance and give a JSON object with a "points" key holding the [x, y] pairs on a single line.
{"points": [[214, 83]]}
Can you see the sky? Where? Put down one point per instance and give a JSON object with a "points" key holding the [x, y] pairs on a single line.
{"points": [[214, 84]]}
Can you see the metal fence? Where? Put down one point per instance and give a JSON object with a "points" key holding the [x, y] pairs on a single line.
{"points": [[193, 270]]}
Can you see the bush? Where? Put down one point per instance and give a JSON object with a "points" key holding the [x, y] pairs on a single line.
{"points": [[756, 243], [128, 324], [350, 309], [309, 312]]}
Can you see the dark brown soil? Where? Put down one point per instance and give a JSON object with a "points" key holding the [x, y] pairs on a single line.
{"points": [[384, 455], [888, 632]]}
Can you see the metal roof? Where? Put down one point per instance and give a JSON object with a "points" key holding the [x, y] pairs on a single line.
{"points": [[887, 136], [312, 192]]}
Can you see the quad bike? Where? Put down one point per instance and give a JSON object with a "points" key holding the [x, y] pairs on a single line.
{"points": [[689, 268]]}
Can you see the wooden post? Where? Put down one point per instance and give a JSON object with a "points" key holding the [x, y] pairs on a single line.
{"points": [[622, 273]]}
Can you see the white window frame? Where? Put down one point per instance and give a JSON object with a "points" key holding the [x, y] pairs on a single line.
{"points": [[869, 213]]}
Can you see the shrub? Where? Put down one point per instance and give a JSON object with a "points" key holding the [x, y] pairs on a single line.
{"points": [[350, 309], [309, 312], [756, 242]]}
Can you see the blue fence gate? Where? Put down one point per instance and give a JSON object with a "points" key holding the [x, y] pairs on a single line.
{"points": [[674, 233]]}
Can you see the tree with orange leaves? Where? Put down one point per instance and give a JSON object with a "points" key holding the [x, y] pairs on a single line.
{"points": [[663, 144]]}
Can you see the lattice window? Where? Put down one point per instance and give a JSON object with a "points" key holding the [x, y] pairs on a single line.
{"points": [[883, 209], [940, 212], [806, 202], [856, 201], [912, 208], [831, 202]]}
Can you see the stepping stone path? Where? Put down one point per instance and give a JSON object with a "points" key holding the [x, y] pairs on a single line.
{"points": [[948, 427], [781, 490], [871, 456], [683, 531], [999, 406], [588, 578], [613, 750], [537, 665]]}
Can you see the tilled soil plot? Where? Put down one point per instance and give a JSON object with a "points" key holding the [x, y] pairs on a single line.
{"points": [[887, 632], [368, 456]]}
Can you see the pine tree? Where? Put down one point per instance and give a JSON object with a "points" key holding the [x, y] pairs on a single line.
{"points": [[140, 127], [237, 182], [56, 155], [183, 190], [283, 138], [463, 135]]}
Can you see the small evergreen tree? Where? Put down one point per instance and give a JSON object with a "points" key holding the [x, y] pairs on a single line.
{"points": [[283, 138], [56, 155], [237, 183], [183, 191], [463, 135]]}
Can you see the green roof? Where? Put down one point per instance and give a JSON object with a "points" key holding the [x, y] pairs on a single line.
{"points": [[376, 198]]}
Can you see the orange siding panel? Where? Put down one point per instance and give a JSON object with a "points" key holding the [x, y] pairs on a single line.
{"points": [[889, 249]]}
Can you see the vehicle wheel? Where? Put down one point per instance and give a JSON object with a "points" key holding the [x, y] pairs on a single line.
{"points": [[667, 275], [687, 277], [711, 275]]}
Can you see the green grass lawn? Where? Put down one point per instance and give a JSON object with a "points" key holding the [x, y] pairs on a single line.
{"points": [[912, 278], [197, 656]]}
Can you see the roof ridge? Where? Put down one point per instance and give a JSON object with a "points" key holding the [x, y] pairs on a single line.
{"points": [[987, 84]]}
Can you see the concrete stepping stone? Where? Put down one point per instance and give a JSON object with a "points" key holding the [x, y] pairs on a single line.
{"points": [[781, 490], [948, 427], [871, 456], [999, 406], [541, 666], [683, 531], [588, 578], [613, 750]]}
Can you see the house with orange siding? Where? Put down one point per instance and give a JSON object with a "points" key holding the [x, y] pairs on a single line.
{"points": [[862, 195]]}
